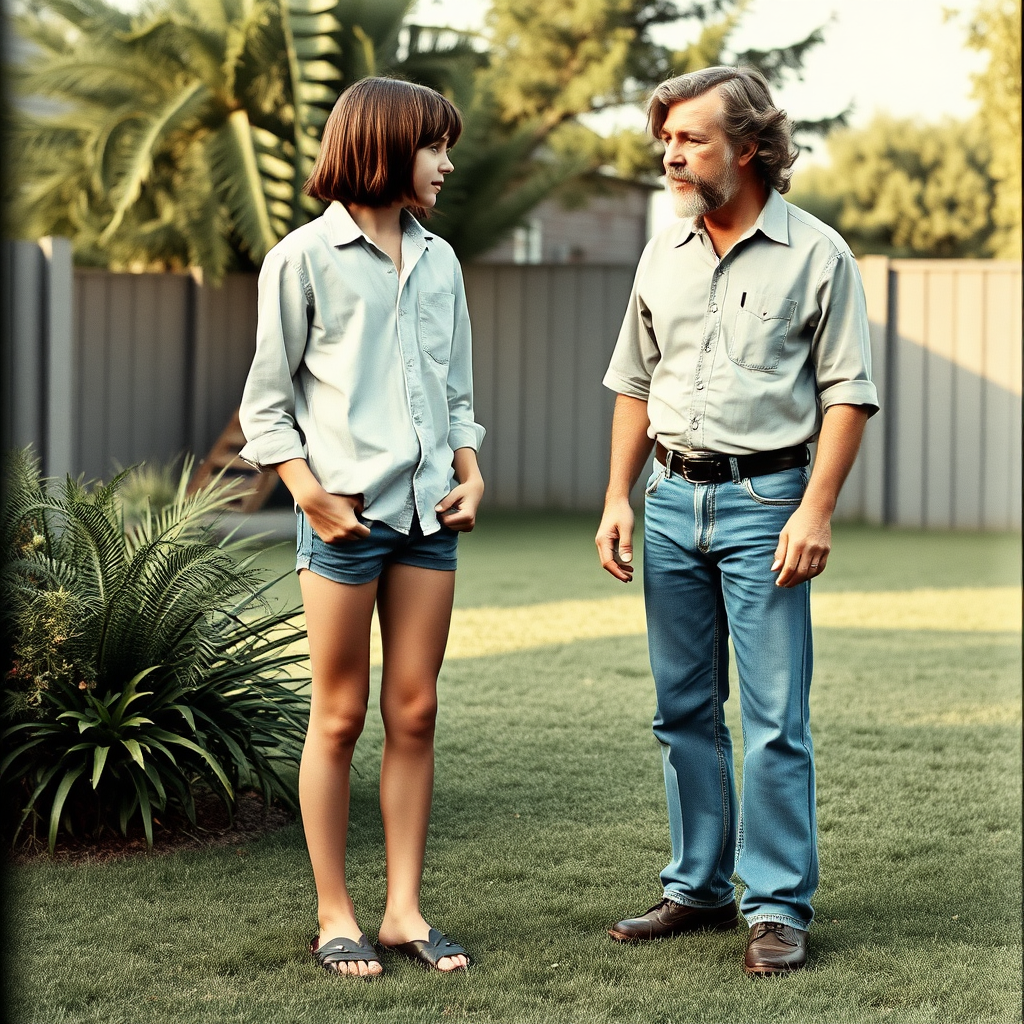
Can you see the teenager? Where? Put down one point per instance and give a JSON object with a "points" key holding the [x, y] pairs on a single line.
{"points": [[360, 396]]}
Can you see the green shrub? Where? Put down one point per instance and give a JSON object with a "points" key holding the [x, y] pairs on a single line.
{"points": [[140, 661], [148, 487]]}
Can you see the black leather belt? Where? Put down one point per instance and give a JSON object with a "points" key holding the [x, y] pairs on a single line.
{"points": [[698, 467]]}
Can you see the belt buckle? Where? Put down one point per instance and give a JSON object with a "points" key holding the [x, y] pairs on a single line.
{"points": [[689, 464]]}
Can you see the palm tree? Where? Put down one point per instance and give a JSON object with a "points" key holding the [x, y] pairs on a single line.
{"points": [[182, 134]]}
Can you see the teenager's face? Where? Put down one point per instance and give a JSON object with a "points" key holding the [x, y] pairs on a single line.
{"points": [[428, 171]]}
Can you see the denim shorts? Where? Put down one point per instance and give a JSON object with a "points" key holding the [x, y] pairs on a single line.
{"points": [[363, 559]]}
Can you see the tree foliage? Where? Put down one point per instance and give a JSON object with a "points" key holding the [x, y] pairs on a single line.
{"points": [[901, 188], [182, 133], [997, 30]]}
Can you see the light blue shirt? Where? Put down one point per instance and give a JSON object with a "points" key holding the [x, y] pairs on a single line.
{"points": [[744, 354], [365, 373]]}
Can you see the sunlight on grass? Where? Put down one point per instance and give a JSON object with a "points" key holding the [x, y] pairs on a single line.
{"points": [[479, 632]]}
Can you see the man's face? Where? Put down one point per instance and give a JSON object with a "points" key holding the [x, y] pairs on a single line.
{"points": [[700, 164]]}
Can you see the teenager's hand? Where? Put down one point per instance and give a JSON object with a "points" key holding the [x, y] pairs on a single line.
{"points": [[457, 509], [615, 539], [333, 516], [804, 546]]}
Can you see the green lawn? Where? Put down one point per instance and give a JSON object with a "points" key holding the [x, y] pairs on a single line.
{"points": [[549, 824]]}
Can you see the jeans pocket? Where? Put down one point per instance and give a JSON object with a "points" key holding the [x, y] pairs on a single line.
{"points": [[654, 482], [780, 490]]}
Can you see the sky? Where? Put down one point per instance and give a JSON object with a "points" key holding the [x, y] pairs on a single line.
{"points": [[905, 57], [894, 55]]}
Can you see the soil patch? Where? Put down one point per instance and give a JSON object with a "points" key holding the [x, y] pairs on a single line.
{"points": [[172, 833]]}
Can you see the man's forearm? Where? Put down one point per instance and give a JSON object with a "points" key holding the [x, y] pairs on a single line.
{"points": [[842, 428], [630, 446]]}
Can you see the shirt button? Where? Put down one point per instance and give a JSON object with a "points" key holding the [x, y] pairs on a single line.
{"points": [[694, 423], [714, 308], [700, 385], [707, 346]]}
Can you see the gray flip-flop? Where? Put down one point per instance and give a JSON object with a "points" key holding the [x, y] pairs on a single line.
{"points": [[342, 950], [427, 952]]}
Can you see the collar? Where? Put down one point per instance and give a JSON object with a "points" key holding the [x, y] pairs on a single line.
{"points": [[772, 222], [343, 230]]}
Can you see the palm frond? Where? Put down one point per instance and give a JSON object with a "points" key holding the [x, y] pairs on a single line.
{"points": [[134, 170]]}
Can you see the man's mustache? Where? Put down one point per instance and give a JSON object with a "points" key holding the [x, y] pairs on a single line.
{"points": [[682, 174]]}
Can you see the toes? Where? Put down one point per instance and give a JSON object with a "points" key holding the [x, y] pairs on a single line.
{"points": [[452, 963], [373, 968]]}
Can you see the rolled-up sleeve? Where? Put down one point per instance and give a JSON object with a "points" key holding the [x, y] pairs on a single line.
{"points": [[841, 348], [267, 412], [636, 351], [463, 430]]}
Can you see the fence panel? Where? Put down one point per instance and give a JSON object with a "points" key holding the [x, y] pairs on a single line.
{"points": [[541, 339], [145, 366]]}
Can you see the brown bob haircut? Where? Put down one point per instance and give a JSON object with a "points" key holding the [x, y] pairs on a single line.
{"points": [[370, 141], [748, 114]]}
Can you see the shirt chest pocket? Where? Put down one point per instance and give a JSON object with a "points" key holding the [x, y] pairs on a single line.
{"points": [[760, 331], [437, 323]]}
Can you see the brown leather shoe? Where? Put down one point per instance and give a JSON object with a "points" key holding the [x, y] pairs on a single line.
{"points": [[775, 948], [669, 918]]}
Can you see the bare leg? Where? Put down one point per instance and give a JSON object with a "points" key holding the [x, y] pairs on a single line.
{"points": [[338, 623], [415, 607]]}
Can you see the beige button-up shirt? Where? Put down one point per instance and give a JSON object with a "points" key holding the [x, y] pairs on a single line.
{"points": [[744, 354], [364, 373]]}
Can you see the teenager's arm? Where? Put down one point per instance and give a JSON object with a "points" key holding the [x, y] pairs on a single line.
{"points": [[267, 411], [332, 516], [630, 448], [458, 508]]}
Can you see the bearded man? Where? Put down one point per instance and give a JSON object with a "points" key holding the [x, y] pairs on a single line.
{"points": [[745, 338]]}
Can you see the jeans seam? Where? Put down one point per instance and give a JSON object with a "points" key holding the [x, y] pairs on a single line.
{"points": [[804, 726], [723, 780]]}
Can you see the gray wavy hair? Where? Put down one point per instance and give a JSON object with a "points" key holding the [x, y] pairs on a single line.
{"points": [[748, 113]]}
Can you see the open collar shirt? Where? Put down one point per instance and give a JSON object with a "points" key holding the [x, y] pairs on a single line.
{"points": [[743, 354], [364, 372]]}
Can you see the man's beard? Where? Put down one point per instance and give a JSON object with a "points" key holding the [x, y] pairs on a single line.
{"points": [[706, 194]]}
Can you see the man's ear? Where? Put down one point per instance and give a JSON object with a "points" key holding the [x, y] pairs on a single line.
{"points": [[747, 152]]}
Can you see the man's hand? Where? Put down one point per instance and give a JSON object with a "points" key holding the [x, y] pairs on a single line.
{"points": [[615, 540], [457, 509], [804, 546], [333, 516]]}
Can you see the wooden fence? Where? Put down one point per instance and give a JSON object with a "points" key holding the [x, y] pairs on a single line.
{"points": [[109, 369]]}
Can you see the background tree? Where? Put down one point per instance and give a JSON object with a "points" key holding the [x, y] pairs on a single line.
{"points": [[996, 29], [182, 134], [900, 188]]}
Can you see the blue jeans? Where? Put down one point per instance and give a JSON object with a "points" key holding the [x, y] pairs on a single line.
{"points": [[708, 551]]}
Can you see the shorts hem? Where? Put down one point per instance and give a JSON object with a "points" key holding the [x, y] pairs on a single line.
{"points": [[354, 579], [448, 564]]}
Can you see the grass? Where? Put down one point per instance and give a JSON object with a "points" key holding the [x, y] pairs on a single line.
{"points": [[549, 824]]}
